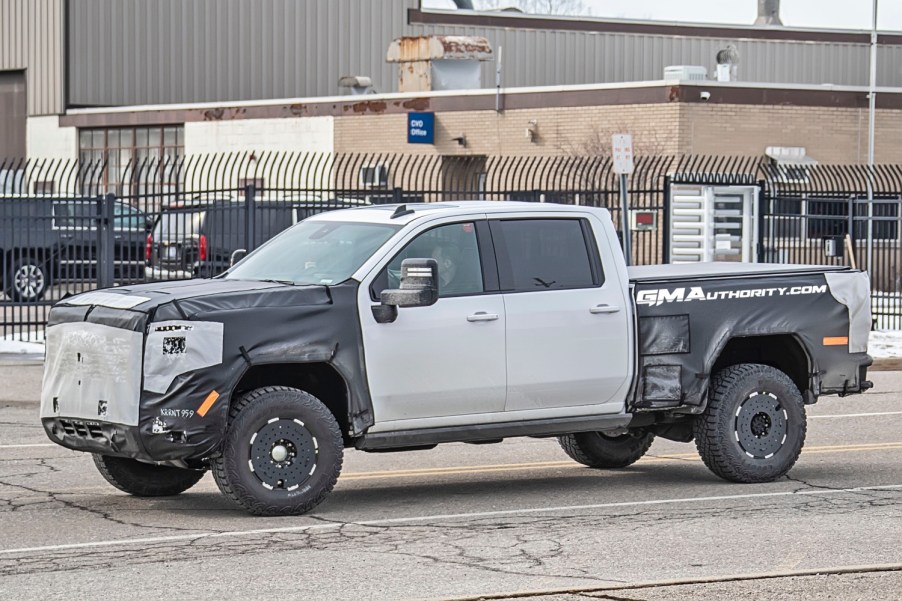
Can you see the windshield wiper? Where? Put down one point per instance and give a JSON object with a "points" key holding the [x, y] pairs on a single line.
{"points": [[285, 282]]}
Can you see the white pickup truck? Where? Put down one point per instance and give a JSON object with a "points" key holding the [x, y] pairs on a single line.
{"points": [[405, 326]]}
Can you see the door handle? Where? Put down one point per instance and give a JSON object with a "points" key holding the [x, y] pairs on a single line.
{"points": [[604, 309], [482, 316]]}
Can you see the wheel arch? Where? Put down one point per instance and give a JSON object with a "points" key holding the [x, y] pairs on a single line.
{"points": [[784, 351], [320, 379]]}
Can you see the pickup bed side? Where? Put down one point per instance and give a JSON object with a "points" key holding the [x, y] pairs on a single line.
{"points": [[690, 328]]}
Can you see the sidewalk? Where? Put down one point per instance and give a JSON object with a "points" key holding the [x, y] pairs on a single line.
{"points": [[20, 379]]}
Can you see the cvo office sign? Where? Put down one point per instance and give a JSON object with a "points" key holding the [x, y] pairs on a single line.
{"points": [[420, 128]]}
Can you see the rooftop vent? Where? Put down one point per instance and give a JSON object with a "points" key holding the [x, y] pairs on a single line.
{"points": [[685, 73], [768, 13], [439, 62], [359, 85]]}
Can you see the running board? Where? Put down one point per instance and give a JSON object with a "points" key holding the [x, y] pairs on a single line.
{"points": [[378, 441]]}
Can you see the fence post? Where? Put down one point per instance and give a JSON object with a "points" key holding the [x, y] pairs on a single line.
{"points": [[397, 195], [764, 204], [107, 242], [665, 252], [250, 217]]}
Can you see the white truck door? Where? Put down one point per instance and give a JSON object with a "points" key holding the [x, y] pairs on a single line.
{"points": [[568, 333], [447, 359]]}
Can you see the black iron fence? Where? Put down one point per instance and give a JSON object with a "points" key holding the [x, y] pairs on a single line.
{"points": [[62, 231]]}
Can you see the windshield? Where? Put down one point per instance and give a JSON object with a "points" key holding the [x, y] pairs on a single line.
{"points": [[314, 252]]}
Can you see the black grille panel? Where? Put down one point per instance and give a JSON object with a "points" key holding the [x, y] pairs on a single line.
{"points": [[88, 430]]}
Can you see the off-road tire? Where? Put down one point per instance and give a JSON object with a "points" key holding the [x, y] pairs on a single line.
{"points": [[296, 422], [597, 450], [27, 279], [145, 479], [753, 428]]}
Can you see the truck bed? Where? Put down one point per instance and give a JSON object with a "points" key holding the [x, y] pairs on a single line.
{"points": [[682, 271]]}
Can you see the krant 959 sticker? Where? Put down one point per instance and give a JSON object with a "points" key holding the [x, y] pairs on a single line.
{"points": [[182, 413]]}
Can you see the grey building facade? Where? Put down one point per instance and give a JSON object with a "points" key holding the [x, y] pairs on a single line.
{"points": [[81, 53]]}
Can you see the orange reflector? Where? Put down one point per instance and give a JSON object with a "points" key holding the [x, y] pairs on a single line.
{"points": [[836, 340], [208, 402]]}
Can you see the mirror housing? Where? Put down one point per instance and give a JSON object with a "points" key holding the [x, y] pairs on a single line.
{"points": [[236, 256], [419, 288]]}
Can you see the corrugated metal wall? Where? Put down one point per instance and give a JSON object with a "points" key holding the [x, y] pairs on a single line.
{"points": [[142, 52], [533, 58], [31, 39]]}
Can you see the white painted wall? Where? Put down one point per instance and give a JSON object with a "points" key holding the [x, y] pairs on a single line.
{"points": [[45, 139], [264, 137], [304, 134]]}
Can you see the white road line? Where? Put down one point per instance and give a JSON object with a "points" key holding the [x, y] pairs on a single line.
{"points": [[28, 446], [854, 415], [436, 517]]}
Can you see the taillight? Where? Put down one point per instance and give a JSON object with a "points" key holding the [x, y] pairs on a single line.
{"points": [[202, 248], [148, 248]]}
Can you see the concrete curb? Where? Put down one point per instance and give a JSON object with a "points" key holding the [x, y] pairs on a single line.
{"points": [[861, 569]]}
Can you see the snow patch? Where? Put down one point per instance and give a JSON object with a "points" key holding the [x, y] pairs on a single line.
{"points": [[885, 344], [26, 343]]}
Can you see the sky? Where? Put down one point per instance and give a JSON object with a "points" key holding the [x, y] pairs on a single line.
{"points": [[832, 14]]}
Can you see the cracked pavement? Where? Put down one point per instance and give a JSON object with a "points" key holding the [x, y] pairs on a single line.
{"points": [[510, 517]]}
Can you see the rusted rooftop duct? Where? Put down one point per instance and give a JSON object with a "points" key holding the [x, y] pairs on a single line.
{"points": [[768, 13], [439, 62]]}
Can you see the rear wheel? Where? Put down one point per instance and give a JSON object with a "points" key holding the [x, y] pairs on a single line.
{"points": [[754, 426], [602, 451], [282, 453], [145, 479], [28, 279]]}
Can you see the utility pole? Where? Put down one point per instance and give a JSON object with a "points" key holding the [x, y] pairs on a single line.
{"points": [[872, 109]]}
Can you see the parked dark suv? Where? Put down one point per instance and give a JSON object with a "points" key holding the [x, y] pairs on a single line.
{"points": [[198, 238], [45, 239]]}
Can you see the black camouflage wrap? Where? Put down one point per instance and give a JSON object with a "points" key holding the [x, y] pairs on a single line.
{"points": [[263, 323], [684, 324]]}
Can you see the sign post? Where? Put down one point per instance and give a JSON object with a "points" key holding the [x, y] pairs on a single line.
{"points": [[622, 152]]}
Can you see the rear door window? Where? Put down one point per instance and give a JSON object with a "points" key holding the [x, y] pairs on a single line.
{"points": [[545, 254]]}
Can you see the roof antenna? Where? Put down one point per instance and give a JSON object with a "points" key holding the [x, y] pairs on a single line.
{"points": [[401, 211]]}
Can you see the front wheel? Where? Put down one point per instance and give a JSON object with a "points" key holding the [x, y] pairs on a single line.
{"points": [[602, 451], [754, 426], [145, 479], [282, 453]]}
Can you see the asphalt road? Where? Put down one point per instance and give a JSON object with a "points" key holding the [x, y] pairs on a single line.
{"points": [[471, 521]]}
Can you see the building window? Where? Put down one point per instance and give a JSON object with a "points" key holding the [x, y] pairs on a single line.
{"points": [[130, 160]]}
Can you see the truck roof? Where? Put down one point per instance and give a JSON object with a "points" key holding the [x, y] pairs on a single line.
{"points": [[401, 214]]}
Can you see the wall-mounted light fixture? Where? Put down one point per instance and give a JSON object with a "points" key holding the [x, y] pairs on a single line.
{"points": [[532, 130], [461, 140]]}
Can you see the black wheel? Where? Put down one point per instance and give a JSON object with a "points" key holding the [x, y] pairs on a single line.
{"points": [[145, 479], [27, 280], [599, 450], [282, 453], [754, 426]]}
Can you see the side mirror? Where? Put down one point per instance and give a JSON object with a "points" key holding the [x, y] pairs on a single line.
{"points": [[237, 256], [419, 288], [148, 224]]}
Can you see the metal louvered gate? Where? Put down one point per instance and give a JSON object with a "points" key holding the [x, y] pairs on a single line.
{"points": [[713, 223]]}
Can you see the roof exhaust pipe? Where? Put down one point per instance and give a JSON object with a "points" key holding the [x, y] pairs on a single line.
{"points": [[769, 13], [464, 4]]}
